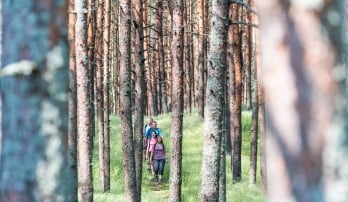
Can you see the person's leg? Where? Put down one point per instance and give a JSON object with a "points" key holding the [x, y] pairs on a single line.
{"points": [[155, 167], [161, 169]]}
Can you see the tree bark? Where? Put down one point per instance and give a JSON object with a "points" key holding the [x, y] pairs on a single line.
{"points": [[106, 80], [236, 95], [198, 41], [255, 112], [72, 133], [336, 148], [139, 89], [299, 57], [84, 130], [99, 91], [177, 102], [34, 83], [214, 110], [126, 94]]}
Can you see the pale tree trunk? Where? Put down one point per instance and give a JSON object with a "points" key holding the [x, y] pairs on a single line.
{"points": [[106, 80], [255, 111], [177, 102], [84, 132], [214, 109], [72, 133], [126, 94], [34, 84], [254, 98], [263, 136], [297, 56], [139, 89], [336, 149], [99, 89]]}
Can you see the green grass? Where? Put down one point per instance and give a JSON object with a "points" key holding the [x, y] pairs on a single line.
{"points": [[191, 165]]}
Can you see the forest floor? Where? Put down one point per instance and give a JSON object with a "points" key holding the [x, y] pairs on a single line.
{"points": [[191, 165]]}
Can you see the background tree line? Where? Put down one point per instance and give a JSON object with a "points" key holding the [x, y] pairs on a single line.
{"points": [[150, 57]]}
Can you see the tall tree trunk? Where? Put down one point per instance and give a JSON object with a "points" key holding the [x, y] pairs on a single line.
{"points": [[139, 89], [91, 26], [99, 52], [214, 110], [84, 130], [236, 97], [34, 83], [255, 112], [162, 74], [336, 149], [299, 119], [72, 133], [177, 101], [106, 79], [245, 48], [199, 57], [125, 93]]}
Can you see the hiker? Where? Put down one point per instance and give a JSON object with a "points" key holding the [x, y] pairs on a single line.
{"points": [[154, 128], [149, 149], [147, 126], [158, 156]]}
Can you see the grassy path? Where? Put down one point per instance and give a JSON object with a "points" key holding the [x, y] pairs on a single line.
{"points": [[192, 158]]}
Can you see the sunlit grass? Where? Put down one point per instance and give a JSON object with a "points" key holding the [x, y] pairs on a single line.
{"points": [[191, 165]]}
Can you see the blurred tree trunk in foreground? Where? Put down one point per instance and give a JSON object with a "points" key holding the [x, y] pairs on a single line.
{"points": [[298, 60], [34, 84]]}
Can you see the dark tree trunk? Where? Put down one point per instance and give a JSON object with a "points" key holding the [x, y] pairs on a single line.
{"points": [[215, 106], [72, 133], [91, 26], [177, 102], [106, 111], [34, 84], [139, 89], [236, 96]]}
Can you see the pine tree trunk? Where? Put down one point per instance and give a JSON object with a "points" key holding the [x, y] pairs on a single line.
{"points": [[84, 130], [99, 52], [126, 94], [299, 119], [72, 133], [91, 26], [139, 89], [34, 83], [199, 57], [106, 80], [236, 97], [254, 117], [214, 109], [177, 102]]}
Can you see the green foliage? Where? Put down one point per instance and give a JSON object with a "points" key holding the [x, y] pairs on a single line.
{"points": [[192, 165]]}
